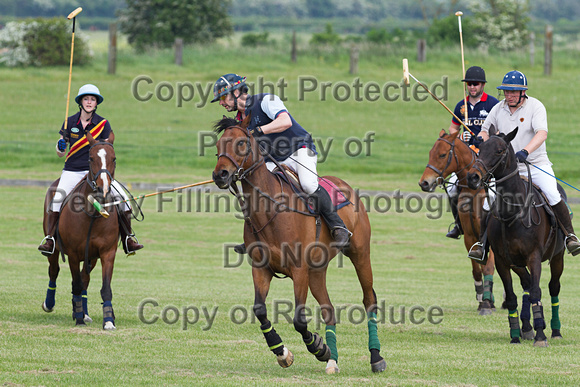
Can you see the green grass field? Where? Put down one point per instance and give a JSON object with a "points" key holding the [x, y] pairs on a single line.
{"points": [[182, 265]]}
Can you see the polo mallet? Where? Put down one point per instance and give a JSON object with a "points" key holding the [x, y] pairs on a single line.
{"points": [[458, 14], [72, 16], [407, 74], [99, 207]]}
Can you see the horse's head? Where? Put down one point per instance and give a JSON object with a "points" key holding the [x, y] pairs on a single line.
{"points": [[496, 159], [102, 163], [237, 151], [442, 161]]}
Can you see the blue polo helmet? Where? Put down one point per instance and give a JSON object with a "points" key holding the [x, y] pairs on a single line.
{"points": [[514, 80], [226, 84]]}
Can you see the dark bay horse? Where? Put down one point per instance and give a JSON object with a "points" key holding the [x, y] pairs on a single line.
{"points": [[522, 234], [84, 235], [282, 238], [448, 155]]}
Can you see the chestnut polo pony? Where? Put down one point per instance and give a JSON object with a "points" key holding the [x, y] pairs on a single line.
{"points": [[450, 154], [282, 237]]}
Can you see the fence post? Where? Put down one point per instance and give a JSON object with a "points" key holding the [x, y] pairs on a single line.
{"points": [[421, 50], [179, 51], [293, 52], [112, 61], [548, 50], [353, 60], [532, 48]]}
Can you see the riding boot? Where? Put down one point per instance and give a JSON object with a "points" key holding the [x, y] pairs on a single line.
{"points": [[456, 231], [128, 239], [563, 216], [476, 252], [47, 244], [324, 206]]}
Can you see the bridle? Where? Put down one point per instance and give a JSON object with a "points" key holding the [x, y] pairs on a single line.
{"points": [[242, 173], [91, 176], [452, 156], [487, 173]]}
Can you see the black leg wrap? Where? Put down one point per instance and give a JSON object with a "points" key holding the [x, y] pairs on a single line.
{"points": [[272, 338], [78, 314]]}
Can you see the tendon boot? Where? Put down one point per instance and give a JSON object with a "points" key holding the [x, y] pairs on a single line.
{"points": [[47, 244], [476, 252], [456, 231], [128, 239], [563, 216], [324, 206]]}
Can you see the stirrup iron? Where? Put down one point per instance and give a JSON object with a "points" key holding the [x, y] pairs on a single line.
{"points": [[126, 244], [478, 243], [43, 241]]}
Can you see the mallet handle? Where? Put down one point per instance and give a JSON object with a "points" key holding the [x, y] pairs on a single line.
{"points": [[158, 193]]}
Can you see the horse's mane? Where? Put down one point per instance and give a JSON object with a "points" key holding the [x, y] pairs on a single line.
{"points": [[224, 123]]}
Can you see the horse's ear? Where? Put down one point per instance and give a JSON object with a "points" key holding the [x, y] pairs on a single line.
{"points": [[111, 138], [246, 121], [492, 130], [90, 138], [511, 135], [442, 133], [454, 135]]}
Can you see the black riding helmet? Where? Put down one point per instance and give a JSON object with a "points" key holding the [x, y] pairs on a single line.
{"points": [[475, 74]]}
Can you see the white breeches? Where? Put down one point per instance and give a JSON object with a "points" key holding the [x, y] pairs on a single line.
{"points": [[303, 161], [451, 186], [69, 180], [547, 183]]}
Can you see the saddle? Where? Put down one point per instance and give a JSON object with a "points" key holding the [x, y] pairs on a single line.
{"points": [[290, 176]]}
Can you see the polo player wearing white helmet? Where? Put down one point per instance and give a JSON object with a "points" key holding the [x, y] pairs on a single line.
{"points": [[527, 113], [76, 164]]}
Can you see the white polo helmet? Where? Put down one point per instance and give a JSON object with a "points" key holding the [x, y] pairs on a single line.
{"points": [[89, 89]]}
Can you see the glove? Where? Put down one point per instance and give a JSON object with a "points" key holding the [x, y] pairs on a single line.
{"points": [[522, 155], [478, 140], [466, 136], [61, 145]]}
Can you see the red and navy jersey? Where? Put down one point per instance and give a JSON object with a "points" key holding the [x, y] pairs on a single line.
{"points": [[77, 158], [265, 108], [476, 114]]}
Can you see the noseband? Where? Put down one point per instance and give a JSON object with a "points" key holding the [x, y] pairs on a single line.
{"points": [[240, 173], [92, 177]]}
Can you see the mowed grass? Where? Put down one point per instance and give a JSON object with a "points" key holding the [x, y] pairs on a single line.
{"points": [[183, 264]]}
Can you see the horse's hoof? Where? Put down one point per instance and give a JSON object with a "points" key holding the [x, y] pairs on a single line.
{"points": [[485, 311], [541, 343], [529, 335], [379, 366], [331, 367], [515, 340], [80, 322], [46, 309], [88, 319], [109, 326], [556, 334], [285, 359]]}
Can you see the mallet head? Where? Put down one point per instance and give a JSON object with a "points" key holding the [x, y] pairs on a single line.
{"points": [[74, 13], [406, 71], [458, 13]]}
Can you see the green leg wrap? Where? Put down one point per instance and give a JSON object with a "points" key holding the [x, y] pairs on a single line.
{"points": [[488, 287], [555, 321], [514, 324], [331, 341], [373, 335]]}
